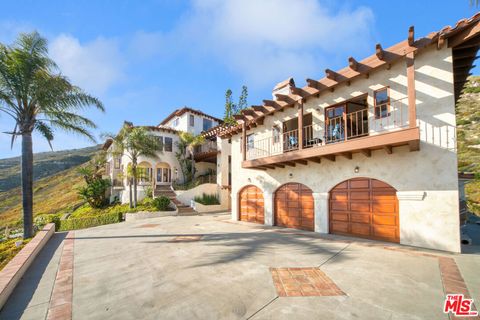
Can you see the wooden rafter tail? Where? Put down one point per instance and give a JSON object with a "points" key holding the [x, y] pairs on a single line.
{"points": [[284, 97], [313, 84], [353, 64], [411, 35], [332, 75], [239, 117], [250, 112], [379, 51], [272, 103]]}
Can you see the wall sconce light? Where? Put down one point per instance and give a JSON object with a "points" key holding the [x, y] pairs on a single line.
{"points": [[357, 169], [249, 180], [290, 175]]}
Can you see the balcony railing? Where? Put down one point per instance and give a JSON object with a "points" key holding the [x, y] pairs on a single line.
{"points": [[207, 146], [340, 129]]}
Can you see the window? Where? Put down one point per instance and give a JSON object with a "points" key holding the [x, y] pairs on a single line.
{"points": [[382, 103], [107, 168], [250, 141], [192, 120], [175, 122], [168, 144], [207, 124], [160, 143], [276, 134], [116, 163]]}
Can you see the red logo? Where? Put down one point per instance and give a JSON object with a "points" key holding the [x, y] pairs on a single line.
{"points": [[459, 306]]}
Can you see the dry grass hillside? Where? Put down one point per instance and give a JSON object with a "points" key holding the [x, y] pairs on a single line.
{"points": [[468, 134]]}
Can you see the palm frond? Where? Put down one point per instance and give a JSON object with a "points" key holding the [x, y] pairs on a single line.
{"points": [[70, 127], [45, 131]]}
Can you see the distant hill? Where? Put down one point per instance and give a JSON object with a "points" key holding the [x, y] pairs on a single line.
{"points": [[52, 194], [45, 164]]}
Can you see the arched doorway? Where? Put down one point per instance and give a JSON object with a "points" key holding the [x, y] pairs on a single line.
{"points": [[294, 207], [364, 207], [251, 205], [145, 173], [163, 174]]}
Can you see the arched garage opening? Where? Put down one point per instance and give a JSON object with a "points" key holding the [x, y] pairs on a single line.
{"points": [[364, 207], [294, 207], [251, 204]]}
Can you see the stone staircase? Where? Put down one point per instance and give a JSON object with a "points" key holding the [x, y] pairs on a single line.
{"points": [[167, 191]]}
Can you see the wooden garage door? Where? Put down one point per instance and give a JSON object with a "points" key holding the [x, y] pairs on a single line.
{"points": [[365, 208], [251, 205], [294, 207]]}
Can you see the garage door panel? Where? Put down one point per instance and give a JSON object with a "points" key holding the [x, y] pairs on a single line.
{"points": [[360, 229], [360, 206], [368, 208], [294, 207], [359, 184], [360, 195], [339, 216], [360, 217], [340, 206]]}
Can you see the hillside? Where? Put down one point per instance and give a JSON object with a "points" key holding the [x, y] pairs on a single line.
{"points": [[45, 164], [52, 194], [468, 134]]}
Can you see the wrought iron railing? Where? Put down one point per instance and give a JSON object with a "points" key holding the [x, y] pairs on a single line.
{"points": [[352, 125]]}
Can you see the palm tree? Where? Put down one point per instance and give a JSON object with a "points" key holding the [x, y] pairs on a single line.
{"points": [[41, 99], [134, 142], [189, 142]]}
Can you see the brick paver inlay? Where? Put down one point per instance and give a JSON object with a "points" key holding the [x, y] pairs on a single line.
{"points": [[61, 301], [297, 282], [186, 238]]}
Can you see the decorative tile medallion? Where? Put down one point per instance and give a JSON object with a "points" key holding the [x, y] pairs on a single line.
{"points": [[298, 282]]}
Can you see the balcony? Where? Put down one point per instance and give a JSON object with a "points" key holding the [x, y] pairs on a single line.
{"points": [[360, 131], [207, 152]]}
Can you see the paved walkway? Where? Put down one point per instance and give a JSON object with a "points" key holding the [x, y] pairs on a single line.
{"points": [[207, 267]]}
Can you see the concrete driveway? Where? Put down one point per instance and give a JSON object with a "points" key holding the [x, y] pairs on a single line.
{"points": [[207, 267]]}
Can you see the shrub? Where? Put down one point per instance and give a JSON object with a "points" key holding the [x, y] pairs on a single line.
{"points": [[94, 192], [89, 221], [207, 199], [41, 220], [8, 250], [161, 203], [148, 192]]}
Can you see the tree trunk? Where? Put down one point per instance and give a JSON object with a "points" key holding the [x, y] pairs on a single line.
{"points": [[134, 172], [27, 185], [130, 192]]}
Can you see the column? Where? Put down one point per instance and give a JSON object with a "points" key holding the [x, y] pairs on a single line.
{"points": [[321, 211], [268, 205], [412, 112], [300, 125], [234, 210]]}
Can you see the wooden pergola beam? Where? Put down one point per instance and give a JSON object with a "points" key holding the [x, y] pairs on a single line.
{"points": [[314, 84], [464, 35], [284, 97], [332, 75]]}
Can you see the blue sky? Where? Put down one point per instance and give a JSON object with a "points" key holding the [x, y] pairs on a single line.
{"points": [[144, 59]]}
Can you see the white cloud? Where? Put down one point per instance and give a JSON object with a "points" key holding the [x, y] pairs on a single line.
{"points": [[265, 41], [94, 66]]}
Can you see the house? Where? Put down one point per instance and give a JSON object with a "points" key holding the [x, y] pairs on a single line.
{"points": [[164, 170], [367, 151]]}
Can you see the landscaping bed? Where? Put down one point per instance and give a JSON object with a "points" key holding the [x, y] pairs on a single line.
{"points": [[8, 250]]}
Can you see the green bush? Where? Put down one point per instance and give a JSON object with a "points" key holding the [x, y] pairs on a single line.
{"points": [[207, 199], [161, 203], [41, 220], [89, 221], [94, 192]]}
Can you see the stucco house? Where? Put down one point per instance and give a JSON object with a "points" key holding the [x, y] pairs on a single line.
{"points": [[367, 151], [165, 168]]}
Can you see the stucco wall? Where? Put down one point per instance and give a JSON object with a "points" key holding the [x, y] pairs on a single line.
{"points": [[431, 222]]}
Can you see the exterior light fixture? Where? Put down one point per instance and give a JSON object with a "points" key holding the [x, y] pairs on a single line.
{"points": [[357, 169], [290, 175], [249, 180]]}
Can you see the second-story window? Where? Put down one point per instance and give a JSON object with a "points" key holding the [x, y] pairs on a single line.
{"points": [[168, 144], [207, 124], [382, 103], [192, 120], [175, 122], [160, 143], [116, 163]]}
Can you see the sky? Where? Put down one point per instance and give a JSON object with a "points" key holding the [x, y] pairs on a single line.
{"points": [[144, 59]]}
